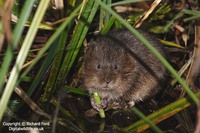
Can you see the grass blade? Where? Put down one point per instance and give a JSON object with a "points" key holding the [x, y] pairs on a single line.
{"points": [[22, 55], [16, 37]]}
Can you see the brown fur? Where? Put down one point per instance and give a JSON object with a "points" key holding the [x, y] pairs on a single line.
{"points": [[119, 67]]}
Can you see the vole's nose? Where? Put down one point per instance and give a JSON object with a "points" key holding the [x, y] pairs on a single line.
{"points": [[107, 80], [108, 76]]}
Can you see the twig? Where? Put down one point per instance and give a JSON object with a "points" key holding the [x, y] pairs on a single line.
{"points": [[147, 13]]}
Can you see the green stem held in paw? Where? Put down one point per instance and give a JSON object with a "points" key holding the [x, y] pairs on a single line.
{"points": [[98, 102]]}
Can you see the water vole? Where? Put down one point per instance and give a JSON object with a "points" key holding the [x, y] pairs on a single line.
{"points": [[121, 69]]}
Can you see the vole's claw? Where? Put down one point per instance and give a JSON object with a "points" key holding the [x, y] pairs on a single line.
{"points": [[104, 103]]}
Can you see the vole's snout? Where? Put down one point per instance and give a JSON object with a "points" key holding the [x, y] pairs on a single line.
{"points": [[107, 80]]}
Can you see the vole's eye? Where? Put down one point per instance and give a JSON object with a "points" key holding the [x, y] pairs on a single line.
{"points": [[98, 66], [116, 67]]}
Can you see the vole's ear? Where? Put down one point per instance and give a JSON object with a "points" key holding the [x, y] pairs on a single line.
{"points": [[94, 43], [91, 47]]}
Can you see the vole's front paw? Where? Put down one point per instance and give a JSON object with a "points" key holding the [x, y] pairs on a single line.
{"points": [[130, 104], [121, 104], [97, 107]]}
